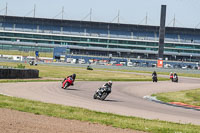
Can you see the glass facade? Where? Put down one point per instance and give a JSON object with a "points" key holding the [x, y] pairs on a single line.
{"points": [[98, 42], [96, 37]]}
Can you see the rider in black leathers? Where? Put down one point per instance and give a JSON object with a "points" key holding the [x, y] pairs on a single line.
{"points": [[107, 86], [154, 76], [154, 73], [175, 77]]}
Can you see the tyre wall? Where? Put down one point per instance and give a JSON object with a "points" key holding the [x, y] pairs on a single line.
{"points": [[18, 73]]}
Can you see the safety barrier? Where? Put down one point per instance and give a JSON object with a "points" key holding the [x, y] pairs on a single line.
{"points": [[6, 73]]}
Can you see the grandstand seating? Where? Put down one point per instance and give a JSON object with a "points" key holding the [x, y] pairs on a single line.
{"points": [[7, 26], [190, 38], [97, 32], [29, 27]]}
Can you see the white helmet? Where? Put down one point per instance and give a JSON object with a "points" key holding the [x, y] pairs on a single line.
{"points": [[110, 83]]}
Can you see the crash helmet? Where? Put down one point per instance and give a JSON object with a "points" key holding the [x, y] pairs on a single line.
{"points": [[110, 83], [175, 73], [74, 76]]}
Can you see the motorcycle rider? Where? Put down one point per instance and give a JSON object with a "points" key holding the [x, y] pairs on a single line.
{"points": [[175, 77], [171, 75], [107, 86], [73, 76], [154, 75]]}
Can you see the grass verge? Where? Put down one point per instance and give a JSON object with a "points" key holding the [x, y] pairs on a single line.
{"points": [[26, 80], [191, 97], [81, 114], [23, 53], [194, 75], [83, 74]]}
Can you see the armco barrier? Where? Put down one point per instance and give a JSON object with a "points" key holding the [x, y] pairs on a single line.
{"points": [[18, 73]]}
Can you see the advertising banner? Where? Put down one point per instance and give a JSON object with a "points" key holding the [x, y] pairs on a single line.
{"points": [[160, 63]]}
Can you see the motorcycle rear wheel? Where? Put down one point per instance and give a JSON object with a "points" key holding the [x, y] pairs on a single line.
{"points": [[103, 97]]}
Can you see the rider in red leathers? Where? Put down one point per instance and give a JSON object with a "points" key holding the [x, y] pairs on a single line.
{"points": [[72, 77], [171, 76]]}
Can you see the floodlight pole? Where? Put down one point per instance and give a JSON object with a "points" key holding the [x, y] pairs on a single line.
{"points": [[118, 16], [6, 9], [146, 18], [174, 21], [90, 14], [34, 11], [62, 11]]}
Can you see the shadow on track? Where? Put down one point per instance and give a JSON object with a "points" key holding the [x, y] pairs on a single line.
{"points": [[72, 89], [111, 100]]}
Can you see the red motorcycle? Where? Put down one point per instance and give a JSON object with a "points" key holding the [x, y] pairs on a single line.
{"points": [[67, 82], [171, 77]]}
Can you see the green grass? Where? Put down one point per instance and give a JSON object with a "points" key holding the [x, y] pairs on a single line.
{"points": [[161, 73], [26, 80], [191, 97], [50, 54], [22, 53], [83, 74], [183, 74], [75, 113]]}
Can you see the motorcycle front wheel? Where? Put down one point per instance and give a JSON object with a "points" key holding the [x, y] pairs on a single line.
{"points": [[66, 85], [95, 96]]}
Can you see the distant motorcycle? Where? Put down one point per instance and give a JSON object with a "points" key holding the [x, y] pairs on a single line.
{"points": [[102, 93], [67, 82], [175, 79], [154, 78]]}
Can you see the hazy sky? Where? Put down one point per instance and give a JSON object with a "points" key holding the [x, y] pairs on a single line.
{"points": [[187, 12]]}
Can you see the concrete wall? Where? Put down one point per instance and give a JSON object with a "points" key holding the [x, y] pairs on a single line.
{"points": [[18, 73]]}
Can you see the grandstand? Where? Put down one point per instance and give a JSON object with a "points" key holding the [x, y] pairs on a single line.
{"points": [[97, 38]]}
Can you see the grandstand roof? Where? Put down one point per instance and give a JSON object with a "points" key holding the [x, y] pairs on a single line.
{"points": [[92, 24]]}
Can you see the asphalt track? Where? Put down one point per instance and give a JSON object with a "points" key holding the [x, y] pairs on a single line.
{"points": [[126, 97]]}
